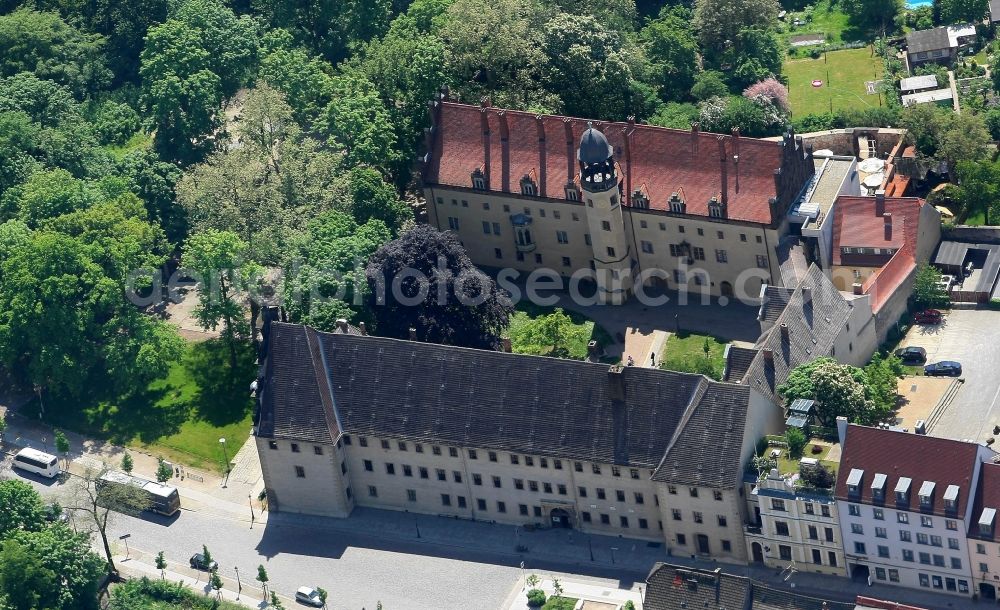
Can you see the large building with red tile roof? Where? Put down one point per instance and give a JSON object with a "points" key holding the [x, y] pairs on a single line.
{"points": [[703, 210], [905, 503]]}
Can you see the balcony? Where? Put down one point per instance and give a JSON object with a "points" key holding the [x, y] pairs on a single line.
{"points": [[754, 530], [526, 247]]}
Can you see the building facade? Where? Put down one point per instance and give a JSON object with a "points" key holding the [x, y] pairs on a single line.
{"points": [[984, 534], [348, 420], [905, 503], [795, 526], [672, 208]]}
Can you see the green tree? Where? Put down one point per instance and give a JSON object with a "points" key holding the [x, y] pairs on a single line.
{"points": [[359, 123], [180, 91], [881, 387], [979, 188], [301, 77], [23, 508], [547, 334], [163, 471], [873, 15], [153, 181], [68, 555], [230, 41], [927, 289], [839, 393], [127, 463], [161, 561], [96, 502], [216, 582], [720, 21], [709, 84], [796, 440], [818, 476], [330, 29], [275, 602], [45, 45], [670, 44], [219, 260], [373, 198], [456, 305], [26, 582], [125, 25], [206, 556], [962, 11], [62, 445], [262, 578], [323, 595]]}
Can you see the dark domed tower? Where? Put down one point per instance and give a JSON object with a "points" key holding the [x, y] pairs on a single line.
{"points": [[602, 197]]}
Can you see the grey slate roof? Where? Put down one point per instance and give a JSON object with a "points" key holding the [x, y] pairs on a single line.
{"points": [[813, 328], [922, 41], [994, 10], [738, 360], [477, 398], [774, 302]]}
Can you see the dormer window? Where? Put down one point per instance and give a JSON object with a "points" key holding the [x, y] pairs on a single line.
{"points": [[479, 179], [903, 491], [528, 186], [986, 521], [677, 204], [854, 482], [572, 194], [951, 498], [640, 200], [926, 494], [878, 487], [715, 208]]}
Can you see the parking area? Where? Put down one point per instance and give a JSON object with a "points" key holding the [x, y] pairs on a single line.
{"points": [[971, 337]]}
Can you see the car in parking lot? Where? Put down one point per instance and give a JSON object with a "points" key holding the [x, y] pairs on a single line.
{"points": [[928, 316], [198, 562], [912, 355], [309, 596], [945, 368]]}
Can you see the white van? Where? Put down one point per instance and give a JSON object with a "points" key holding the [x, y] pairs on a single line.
{"points": [[33, 460]]}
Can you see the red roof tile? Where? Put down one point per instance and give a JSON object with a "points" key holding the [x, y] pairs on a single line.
{"points": [[664, 160], [903, 454], [988, 496]]}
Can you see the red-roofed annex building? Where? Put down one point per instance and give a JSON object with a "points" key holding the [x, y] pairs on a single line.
{"points": [[527, 191]]}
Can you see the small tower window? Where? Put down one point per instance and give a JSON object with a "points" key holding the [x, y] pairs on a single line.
{"points": [[639, 200], [478, 179]]}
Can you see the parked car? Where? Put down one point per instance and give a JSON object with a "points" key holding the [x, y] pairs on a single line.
{"points": [[945, 368], [308, 596], [928, 316], [198, 562], [912, 355]]}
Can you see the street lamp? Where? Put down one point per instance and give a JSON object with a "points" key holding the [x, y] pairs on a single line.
{"points": [[239, 585], [613, 549], [225, 454], [250, 500]]}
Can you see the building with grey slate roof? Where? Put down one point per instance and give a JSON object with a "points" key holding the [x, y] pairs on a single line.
{"points": [[350, 420]]}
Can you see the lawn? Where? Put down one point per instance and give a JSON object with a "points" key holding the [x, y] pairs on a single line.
{"points": [[559, 603], [788, 465], [138, 141], [582, 331], [686, 352], [843, 74], [824, 20], [180, 417]]}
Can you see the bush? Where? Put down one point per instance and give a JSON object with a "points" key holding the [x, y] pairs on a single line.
{"points": [[115, 122], [796, 440], [817, 449], [818, 476], [536, 598], [994, 304]]}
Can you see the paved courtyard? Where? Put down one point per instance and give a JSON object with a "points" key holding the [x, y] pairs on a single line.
{"points": [[972, 337]]}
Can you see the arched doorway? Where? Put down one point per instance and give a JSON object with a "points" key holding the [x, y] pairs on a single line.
{"points": [[560, 518], [726, 289], [758, 552], [987, 591]]}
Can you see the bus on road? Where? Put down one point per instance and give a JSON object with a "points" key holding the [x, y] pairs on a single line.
{"points": [[163, 499]]}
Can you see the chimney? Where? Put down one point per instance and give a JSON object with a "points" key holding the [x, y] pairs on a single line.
{"points": [[784, 333], [695, 129], [627, 138], [505, 345], [736, 156], [540, 129], [887, 218], [856, 288], [880, 202], [724, 167], [342, 325], [768, 355], [842, 430], [806, 296], [570, 151], [361, 327], [616, 382], [504, 152], [413, 334], [484, 123]]}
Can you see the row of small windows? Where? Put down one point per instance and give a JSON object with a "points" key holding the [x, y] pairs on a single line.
{"points": [[693, 492], [901, 517], [846, 250], [955, 563], [515, 459], [698, 517], [907, 536], [273, 445], [779, 505], [935, 581], [506, 208]]}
